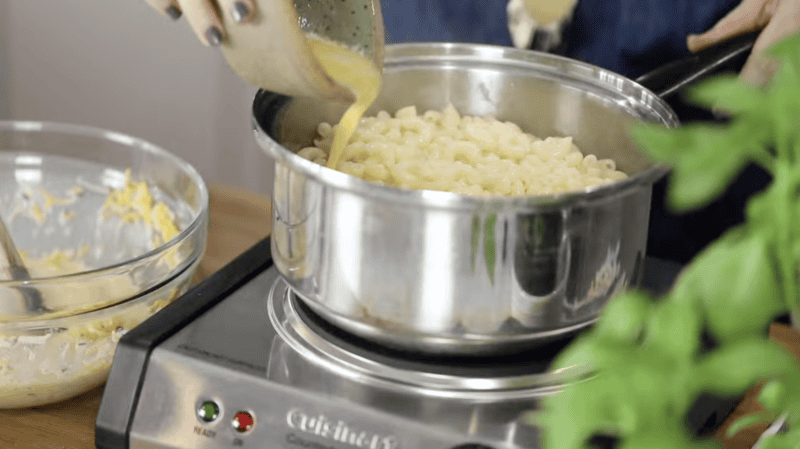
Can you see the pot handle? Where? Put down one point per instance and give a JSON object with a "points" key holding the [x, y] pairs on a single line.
{"points": [[667, 80]]}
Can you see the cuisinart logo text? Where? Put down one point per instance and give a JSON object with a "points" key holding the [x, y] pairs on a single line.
{"points": [[338, 430]]}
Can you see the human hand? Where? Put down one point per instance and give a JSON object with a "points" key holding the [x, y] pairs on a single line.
{"points": [[205, 16], [525, 17], [549, 11], [778, 18]]}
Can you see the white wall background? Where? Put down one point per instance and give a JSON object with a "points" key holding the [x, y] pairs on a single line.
{"points": [[118, 64]]}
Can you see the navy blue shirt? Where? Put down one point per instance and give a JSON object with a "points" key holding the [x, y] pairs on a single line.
{"points": [[629, 37], [471, 21], [632, 37]]}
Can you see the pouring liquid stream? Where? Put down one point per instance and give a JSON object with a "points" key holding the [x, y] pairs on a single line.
{"points": [[358, 74]]}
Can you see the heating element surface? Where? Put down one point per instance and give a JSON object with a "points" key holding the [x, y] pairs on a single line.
{"points": [[240, 362]]}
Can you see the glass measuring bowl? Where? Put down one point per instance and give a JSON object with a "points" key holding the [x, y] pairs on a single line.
{"points": [[272, 51], [54, 181]]}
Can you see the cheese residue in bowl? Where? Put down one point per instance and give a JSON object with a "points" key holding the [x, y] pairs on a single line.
{"points": [[134, 202], [44, 363]]}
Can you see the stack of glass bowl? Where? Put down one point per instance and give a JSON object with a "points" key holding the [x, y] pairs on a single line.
{"points": [[54, 182]]}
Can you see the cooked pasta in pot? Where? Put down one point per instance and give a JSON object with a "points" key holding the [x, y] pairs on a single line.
{"points": [[441, 150]]}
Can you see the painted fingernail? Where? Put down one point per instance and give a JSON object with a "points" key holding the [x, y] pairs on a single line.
{"points": [[240, 12], [173, 12], [213, 35]]}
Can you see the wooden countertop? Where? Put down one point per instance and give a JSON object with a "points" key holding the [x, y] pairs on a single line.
{"points": [[238, 220]]}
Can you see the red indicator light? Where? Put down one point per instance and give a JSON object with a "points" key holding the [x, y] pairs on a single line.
{"points": [[243, 421]]}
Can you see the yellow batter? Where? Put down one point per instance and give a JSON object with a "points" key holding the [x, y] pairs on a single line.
{"points": [[354, 72]]}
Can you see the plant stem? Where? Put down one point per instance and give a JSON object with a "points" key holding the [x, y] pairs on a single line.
{"points": [[786, 182]]}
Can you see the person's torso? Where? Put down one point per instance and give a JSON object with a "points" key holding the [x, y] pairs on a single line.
{"points": [[630, 37]]}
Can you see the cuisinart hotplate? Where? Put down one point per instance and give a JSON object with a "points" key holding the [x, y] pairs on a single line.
{"points": [[239, 362]]}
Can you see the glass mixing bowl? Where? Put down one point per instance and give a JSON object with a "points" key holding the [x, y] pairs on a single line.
{"points": [[112, 229]]}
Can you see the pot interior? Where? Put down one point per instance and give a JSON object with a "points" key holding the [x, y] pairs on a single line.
{"points": [[545, 95]]}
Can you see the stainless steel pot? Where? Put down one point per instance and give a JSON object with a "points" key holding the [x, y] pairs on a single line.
{"points": [[443, 273]]}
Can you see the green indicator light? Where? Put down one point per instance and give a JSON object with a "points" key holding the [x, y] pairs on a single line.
{"points": [[208, 411]]}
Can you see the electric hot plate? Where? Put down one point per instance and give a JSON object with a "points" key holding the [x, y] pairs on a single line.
{"points": [[240, 362]]}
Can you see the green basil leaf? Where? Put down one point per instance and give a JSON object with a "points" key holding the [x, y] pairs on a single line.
{"points": [[624, 317], [706, 158], [598, 353], [773, 395], [783, 92], [734, 271], [582, 351], [758, 211], [661, 143], [733, 368], [788, 51], [695, 183], [675, 329], [731, 94], [740, 424], [725, 150], [781, 194], [581, 408]]}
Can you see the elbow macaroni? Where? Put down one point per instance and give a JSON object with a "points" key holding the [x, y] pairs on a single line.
{"points": [[467, 155]]}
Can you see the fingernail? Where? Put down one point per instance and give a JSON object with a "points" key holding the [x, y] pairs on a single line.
{"points": [[213, 35], [173, 12], [240, 12]]}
